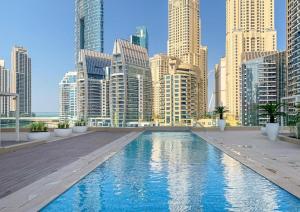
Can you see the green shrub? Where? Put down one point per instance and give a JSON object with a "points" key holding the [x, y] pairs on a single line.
{"points": [[80, 123], [63, 125], [38, 127]]}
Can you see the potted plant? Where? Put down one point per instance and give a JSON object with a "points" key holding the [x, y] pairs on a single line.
{"points": [[272, 110], [38, 131], [80, 127], [63, 129], [221, 110]]}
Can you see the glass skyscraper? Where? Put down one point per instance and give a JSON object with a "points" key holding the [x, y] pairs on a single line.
{"points": [[89, 29], [141, 37]]}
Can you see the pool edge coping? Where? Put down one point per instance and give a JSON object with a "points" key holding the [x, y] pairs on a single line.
{"points": [[255, 166], [43, 191]]}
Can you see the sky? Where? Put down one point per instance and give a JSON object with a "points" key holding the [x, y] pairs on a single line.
{"points": [[46, 29]]}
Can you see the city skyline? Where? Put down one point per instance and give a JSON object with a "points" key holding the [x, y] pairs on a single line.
{"points": [[61, 44]]}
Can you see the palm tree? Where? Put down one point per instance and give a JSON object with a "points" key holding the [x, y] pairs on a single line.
{"points": [[272, 110], [221, 110]]}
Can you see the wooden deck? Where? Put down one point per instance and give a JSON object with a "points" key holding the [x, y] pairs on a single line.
{"points": [[23, 167]]}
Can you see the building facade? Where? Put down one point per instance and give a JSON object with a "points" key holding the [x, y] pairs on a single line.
{"points": [[68, 97], [203, 83], [159, 65], [130, 85], [4, 88], [184, 43], [263, 82], [249, 28], [93, 71], [220, 83], [184, 31], [293, 50], [21, 79], [141, 37], [89, 25], [180, 98]]}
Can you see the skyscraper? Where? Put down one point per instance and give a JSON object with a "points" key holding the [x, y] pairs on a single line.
{"points": [[249, 28], [89, 25], [92, 72], [184, 43], [68, 96], [141, 37], [184, 31], [159, 65], [130, 85], [4, 88], [203, 84], [21, 79]]}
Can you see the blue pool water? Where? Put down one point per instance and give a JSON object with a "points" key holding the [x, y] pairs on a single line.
{"points": [[173, 172]]}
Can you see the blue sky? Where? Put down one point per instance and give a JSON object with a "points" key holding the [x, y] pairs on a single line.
{"points": [[46, 28]]}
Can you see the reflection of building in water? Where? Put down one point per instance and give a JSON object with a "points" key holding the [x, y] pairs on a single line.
{"points": [[178, 176], [238, 192], [173, 154], [156, 153]]}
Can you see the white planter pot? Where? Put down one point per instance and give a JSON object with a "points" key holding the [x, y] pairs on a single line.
{"points": [[80, 129], [62, 132], [263, 131], [222, 124], [272, 131], [34, 136]]}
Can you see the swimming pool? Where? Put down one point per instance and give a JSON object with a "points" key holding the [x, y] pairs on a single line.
{"points": [[173, 171]]}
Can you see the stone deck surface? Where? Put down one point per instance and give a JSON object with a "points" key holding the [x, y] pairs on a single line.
{"points": [[25, 166], [277, 161]]}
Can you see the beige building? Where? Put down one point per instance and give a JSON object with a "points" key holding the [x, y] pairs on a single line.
{"points": [[159, 65], [184, 43], [180, 95], [184, 31], [249, 28], [220, 83], [203, 86]]}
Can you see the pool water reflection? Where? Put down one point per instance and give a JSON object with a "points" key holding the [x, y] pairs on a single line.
{"points": [[173, 171]]}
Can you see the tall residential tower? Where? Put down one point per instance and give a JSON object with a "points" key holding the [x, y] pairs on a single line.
{"points": [[249, 28], [184, 31], [21, 79], [130, 85], [184, 44]]}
